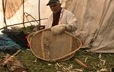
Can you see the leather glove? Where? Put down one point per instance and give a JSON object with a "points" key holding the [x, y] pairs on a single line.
{"points": [[59, 28]]}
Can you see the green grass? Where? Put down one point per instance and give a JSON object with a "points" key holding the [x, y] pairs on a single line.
{"points": [[34, 64]]}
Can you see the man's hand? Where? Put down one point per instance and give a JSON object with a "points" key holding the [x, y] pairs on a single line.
{"points": [[59, 28]]}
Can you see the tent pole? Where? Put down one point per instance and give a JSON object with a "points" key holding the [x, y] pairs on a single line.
{"points": [[23, 14], [39, 16], [4, 13]]}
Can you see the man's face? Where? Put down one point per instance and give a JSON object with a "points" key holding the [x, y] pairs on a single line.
{"points": [[55, 7]]}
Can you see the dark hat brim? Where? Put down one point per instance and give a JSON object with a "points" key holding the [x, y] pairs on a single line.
{"points": [[52, 1]]}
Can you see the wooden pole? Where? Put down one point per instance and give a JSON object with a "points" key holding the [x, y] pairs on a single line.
{"points": [[4, 6], [39, 15]]}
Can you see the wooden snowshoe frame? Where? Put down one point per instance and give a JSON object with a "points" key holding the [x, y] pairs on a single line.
{"points": [[53, 47]]}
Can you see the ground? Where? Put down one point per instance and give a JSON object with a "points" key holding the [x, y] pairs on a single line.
{"points": [[96, 62]]}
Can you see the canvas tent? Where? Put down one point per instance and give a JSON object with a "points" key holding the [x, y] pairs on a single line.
{"points": [[95, 18], [19, 11], [96, 23], [14, 12]]}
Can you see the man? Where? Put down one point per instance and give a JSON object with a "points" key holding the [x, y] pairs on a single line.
{"points": [[61, 19]]}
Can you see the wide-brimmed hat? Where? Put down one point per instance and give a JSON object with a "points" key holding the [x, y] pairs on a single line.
{"points": [[52, 1]]}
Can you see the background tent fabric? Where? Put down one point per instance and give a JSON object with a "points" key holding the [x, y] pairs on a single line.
{"points": [[19, 11], [96, 23], [14, 11], [11, 6]]}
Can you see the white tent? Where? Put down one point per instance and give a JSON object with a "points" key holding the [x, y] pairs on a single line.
{"points": [[19, 11], [16, 10], [95, 18], [96, 23]]}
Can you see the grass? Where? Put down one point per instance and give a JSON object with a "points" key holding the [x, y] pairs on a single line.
{"points": [[93, 60]]}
